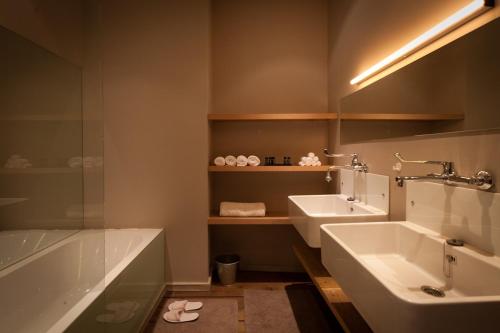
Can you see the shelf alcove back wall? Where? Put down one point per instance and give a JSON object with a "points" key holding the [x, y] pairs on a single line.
{"points": [[267, 57]]}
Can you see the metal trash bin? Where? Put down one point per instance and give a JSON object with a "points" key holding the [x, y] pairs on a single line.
{"points": [[227, 266]]}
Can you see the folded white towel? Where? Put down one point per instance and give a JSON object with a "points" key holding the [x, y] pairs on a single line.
{"points": [[220, 161], [241, 161], [231, 160], [242, 209], [253, 160]]}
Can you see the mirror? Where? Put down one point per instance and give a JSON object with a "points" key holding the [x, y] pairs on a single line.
{"points": [[455, 88], [41, 192]]}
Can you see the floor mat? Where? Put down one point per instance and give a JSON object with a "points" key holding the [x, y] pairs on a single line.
{"points": [[269, 311], [218, 315]]}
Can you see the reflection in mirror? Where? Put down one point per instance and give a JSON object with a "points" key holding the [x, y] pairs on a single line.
{"points": [[455, 88], [41, 191]]}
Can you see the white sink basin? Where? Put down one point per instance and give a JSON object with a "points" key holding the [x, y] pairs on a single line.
{"points": [[309, 212], [382, 266]]}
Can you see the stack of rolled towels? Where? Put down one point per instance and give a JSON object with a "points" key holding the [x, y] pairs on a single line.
{"points": [[310, 160], [240, 161], [17, 162], [242, 209]]}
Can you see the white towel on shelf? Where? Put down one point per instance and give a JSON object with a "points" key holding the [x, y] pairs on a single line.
{"points": [[317, 163], [17, 162], [231, 160], [241, 161], [75, 162], [309, 161], [253, 160], [315, 158], [310, 154], [220, 161], [242, 209]]}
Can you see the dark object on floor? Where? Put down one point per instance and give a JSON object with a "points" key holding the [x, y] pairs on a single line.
{"points": [[311, 312], [218, 315]]}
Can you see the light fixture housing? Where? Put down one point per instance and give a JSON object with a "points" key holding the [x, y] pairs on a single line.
{"points": [[465, 14]]}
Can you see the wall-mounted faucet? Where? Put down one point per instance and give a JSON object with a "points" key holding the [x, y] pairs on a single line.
{"points": [[482, 179], [355, 165]]}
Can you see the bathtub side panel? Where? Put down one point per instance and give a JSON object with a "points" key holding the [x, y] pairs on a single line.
{"points": [[128, 301]]}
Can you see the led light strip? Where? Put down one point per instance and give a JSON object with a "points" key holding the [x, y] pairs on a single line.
{"points": [[466, 13]]}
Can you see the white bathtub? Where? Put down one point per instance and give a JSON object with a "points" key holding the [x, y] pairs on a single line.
{"points": [[65, 286]]}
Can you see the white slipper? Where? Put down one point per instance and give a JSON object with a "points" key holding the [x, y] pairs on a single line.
{"points": [[185, 305], [179, 316]]}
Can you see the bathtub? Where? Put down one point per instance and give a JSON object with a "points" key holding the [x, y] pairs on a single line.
{"points": [[16, 245], [67, 286]]}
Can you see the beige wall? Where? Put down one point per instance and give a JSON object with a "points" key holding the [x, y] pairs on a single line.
{"points": [[156, 100], [269, 56], [363, 32]]}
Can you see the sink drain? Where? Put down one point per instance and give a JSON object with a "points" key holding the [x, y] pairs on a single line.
{"points": [[436, 292]]}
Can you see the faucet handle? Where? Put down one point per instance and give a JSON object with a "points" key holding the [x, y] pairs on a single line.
{"points": [[327, 154], [402, 160], [447, 166]]}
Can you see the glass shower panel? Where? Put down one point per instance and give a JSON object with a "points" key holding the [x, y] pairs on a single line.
{"points": [[41, 164]]}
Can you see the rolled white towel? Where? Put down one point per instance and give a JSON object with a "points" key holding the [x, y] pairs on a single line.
{"points": [[310, 154], [220, 161], [317, 163], [309, 161], [75, 162], [241, 161], [231, 160], [242, 209], [303, 159], [302, 163], [315, 158], [253, 160]]}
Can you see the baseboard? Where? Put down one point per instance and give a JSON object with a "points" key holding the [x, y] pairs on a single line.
{"points": [[190, 286], [271, 268]]}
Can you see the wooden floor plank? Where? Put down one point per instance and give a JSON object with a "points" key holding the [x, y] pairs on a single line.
{"points": [[339, 303]]}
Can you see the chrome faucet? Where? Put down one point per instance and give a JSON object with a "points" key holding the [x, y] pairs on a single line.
{"points": [[355, 165], [482, 179]]}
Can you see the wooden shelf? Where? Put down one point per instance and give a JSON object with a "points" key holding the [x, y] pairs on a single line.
{"points": [[265, 220], [402, 116], [270, 116], [339, 303], [48, 171], [46, 117], [293, 168]]}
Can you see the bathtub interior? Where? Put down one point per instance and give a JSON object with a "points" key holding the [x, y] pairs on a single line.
{"points": [[16, 245]]}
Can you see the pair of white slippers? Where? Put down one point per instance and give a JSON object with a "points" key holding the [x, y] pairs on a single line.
{"points": [[177, 311]]}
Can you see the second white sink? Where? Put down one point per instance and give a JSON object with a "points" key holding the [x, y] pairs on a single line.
{"points": [[309, 212]]}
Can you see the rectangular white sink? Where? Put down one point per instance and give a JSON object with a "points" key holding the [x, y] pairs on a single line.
{"points": [[309, 212], [382, 267]]}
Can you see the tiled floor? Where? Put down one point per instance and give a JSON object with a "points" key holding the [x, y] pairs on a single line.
{"points": [[311, 313]]}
